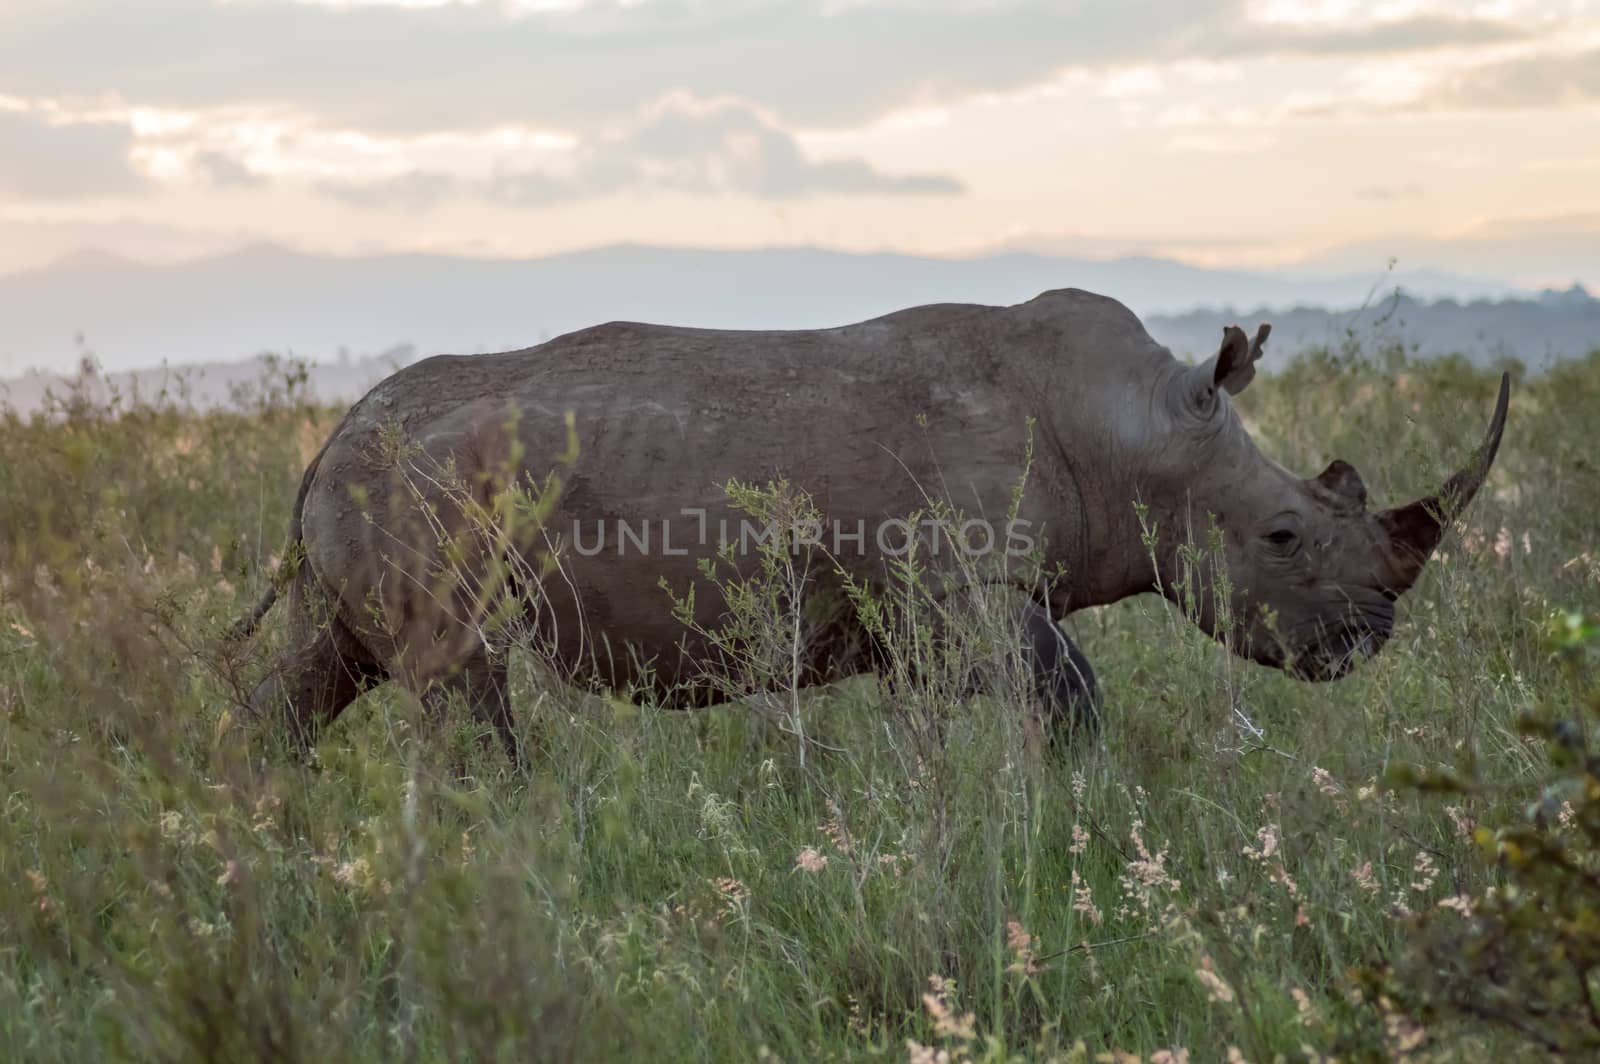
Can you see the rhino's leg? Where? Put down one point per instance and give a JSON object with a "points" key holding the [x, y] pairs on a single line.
{"points": [[480, 681], [1062, 677], [322, 669], [312, 682]]}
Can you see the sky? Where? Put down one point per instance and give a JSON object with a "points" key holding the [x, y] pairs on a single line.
{"points": [[1305, 135]]}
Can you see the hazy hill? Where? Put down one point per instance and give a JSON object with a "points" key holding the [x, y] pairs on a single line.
{"points": [[1537, 330], [207, 385], [268, 298], [357, 318]]}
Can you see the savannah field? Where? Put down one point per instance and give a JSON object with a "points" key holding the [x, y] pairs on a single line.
{"points": [[1242, 867]]}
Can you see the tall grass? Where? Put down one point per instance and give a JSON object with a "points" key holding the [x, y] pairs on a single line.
{"points": [[869, 871]]}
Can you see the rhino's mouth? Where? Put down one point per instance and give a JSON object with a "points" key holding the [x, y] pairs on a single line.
{"points": [[1326, 648], [1342, 649]]}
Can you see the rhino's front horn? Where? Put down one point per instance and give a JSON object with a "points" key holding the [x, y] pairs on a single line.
{"points": [[1416, 528]]}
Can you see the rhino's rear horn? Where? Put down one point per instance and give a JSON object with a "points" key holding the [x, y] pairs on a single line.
{"points": [[1342, 479], [1416, 528]]}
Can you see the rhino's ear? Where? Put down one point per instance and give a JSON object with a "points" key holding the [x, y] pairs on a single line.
{"points": [[1235, 363]]}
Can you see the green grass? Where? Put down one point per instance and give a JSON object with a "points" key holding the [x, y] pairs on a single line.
{"points": [[671, 885]]}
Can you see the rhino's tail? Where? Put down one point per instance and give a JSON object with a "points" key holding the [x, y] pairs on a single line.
{"points": [[293, 558]]}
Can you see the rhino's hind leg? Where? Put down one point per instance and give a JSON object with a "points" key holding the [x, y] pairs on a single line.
{"points": [[1062, 677], [481, 682], [310, 685], [321, 670]]}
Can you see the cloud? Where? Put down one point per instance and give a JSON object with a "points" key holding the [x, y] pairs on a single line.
{"points": [[817, 63], [681, 145], [1532, 81], [1386, 36], [733, 147], [43, 160], [1536, 81], [224, 171], [1384, 193], [1586, 224], [1530, 251], [414, 191]]}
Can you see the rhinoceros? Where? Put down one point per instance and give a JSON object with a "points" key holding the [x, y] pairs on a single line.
{"points": [[871, 420]]}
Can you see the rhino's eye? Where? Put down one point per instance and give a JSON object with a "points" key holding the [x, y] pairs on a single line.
{"points": [[1283, 541]]}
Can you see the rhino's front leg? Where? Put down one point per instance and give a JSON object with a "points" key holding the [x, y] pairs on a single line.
{"points": [[1062, 676]]}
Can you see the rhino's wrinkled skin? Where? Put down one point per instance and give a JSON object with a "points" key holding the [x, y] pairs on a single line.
{"points": [[873, 420]]}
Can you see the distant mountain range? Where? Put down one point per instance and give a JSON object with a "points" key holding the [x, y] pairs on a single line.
{"points": [[1538, 330], [356, 316]]}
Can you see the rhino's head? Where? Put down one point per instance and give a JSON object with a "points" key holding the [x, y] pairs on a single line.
{"points": [[1313, 573]]}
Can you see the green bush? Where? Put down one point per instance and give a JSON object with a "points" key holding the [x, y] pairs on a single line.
{"points": [[1521, 952]]}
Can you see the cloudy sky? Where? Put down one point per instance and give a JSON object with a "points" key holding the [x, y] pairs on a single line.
{"points": [[1259, 133]]}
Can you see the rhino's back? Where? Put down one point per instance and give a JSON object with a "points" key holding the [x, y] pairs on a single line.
{"points": [[922, 362], [653, 404], [719, 366]]}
